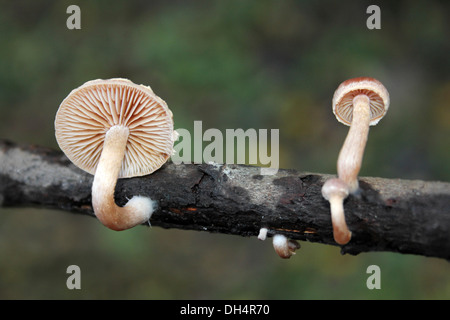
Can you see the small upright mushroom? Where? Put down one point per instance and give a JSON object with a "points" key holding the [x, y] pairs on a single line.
{"points": [[115, 129], [358, 103]]}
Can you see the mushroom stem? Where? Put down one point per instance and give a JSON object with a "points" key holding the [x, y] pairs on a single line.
{"points": [[139, 209], [336, 191], [340, 230], [351, 154]]}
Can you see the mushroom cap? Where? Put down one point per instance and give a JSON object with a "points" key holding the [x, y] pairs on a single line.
{"points": [[347, 90], [89, 111], [334, 187]]}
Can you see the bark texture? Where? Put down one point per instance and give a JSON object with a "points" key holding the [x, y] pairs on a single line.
{"points": [[406, 216]]}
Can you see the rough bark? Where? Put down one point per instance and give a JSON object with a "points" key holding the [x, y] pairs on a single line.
{"points": [[406, 216]]}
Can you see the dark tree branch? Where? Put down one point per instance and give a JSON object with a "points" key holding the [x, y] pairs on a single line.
{"points": [[406, 216]]}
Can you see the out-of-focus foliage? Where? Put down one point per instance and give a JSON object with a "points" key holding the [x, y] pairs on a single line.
{"points": [[231, 64]]}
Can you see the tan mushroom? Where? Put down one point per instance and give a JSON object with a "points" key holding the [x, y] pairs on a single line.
{"points": [[115, 129], [284, 247], [358, 103]]}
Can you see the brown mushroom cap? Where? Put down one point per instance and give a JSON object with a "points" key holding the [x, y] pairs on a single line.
{"points": [[91, 110], [344, 94]]}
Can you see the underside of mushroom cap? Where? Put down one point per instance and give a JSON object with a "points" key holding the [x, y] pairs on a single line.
{"points": [[344, 94], [89, 111]]}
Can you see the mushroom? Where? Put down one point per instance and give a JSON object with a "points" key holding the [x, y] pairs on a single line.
{"points": [[115, 129], [358, 103], [262, 234], [284, 247], [335, 191]]}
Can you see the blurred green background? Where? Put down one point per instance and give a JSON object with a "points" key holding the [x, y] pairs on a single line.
{"points": [[232, 64]]}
